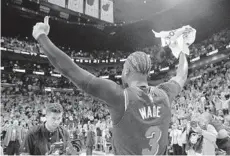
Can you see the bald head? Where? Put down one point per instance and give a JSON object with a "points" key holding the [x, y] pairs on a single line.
{"points": [[139, 62], [207, 117]]}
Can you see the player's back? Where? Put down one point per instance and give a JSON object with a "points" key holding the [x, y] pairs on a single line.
{"points": [[143, 130]]}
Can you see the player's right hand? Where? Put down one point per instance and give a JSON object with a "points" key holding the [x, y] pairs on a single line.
{"points": [[41, 28]]}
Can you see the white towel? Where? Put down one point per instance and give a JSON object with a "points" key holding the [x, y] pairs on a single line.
{"points": [[178, 40]]}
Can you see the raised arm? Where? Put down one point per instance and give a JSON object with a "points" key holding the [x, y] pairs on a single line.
{"points": [[175, 85], [103, 89], [182, 71]]}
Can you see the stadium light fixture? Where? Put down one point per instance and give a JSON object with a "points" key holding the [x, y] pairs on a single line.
{"points": [[43, 56], [164, 69], [151, 72], [23, 52], [213, 52], [38, 73], [195, 59], [122, 60], [56, 75], [19, 70], [104, 77]]}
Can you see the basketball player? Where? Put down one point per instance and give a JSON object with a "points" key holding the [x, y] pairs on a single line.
{"points": [[140, 113]]}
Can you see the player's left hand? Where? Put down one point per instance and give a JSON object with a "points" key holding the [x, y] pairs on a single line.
{"points": [[41, 28]]}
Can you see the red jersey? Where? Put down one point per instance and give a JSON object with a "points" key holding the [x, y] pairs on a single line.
{"points": [[140, 117], [143, 129]]}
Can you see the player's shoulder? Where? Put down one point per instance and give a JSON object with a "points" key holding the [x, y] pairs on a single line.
{"points": [[157, 92]]}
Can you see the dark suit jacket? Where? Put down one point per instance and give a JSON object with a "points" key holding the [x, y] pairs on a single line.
{"points": [[90, 141], [36, 140]]}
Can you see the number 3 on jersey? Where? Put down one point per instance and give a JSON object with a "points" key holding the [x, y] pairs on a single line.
{"points": [[154, 134]]}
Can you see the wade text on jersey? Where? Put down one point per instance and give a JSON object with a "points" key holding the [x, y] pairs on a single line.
{"points": [[150, 112]]}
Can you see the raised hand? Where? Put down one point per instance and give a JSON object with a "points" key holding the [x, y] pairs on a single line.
{"points": [[41, 28]]}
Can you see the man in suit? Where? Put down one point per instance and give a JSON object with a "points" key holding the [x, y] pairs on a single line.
{"points": [[49, 137], [13, 138]]}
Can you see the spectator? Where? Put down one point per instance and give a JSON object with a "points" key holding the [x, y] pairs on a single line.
{"points": [[175, 135], [13, 138], [90, 141]]}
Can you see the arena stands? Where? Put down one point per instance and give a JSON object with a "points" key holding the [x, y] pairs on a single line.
{"points": [[24, 95]]}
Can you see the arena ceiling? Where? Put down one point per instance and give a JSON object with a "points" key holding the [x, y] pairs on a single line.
{"points": [[139, 18]]}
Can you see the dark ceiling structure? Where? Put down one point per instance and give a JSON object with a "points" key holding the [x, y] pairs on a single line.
{"points": [[139, 18]]}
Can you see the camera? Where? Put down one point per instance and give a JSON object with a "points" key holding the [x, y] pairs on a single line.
{"points": [[57, 148]]}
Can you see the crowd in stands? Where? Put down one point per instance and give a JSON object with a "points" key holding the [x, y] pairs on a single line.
{"points": [[23, 96], [207, 91], [156, 52]]}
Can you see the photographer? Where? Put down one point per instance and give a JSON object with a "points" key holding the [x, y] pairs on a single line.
{"points": [[49, 137]]}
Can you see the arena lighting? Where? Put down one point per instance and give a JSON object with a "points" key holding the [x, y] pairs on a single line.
{"points": [[72, 59], [19, 70], [23, 52], [163, 69], [228, 46], [56, 75], [213, 52], [43, 56], [103, 61], [2, 48], [86, 61], [48, 89], [195, 59], [2, 68], [94, 61], [38, 73], [104, 77], [17, 51], [196, 77], [122, 60], [77, 60], [81, 60], [111, 60], [10, 50], [118, 76], [151, 72]]}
